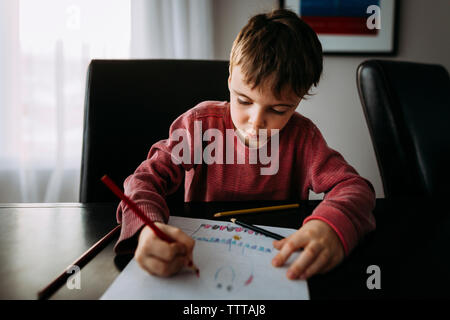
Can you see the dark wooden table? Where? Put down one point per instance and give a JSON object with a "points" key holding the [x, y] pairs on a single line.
{"points": [[410, 246]]}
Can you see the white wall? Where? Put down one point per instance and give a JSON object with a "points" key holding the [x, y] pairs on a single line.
{"points": [[335, 108]]}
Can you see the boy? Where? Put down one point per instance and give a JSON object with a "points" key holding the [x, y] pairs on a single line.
{"points": [[274, 62]]}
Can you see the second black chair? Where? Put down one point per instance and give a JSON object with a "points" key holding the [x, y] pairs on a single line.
{"points": [[407, 107]]}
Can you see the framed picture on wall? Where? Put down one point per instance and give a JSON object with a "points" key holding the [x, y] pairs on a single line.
{"points": [[349, 26]]}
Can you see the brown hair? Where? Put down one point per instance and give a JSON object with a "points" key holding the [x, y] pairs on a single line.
{"points": [[280, 45]]}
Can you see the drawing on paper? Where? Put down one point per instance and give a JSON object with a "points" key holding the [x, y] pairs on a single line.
{"points": [[240, 245], [234, 264]]}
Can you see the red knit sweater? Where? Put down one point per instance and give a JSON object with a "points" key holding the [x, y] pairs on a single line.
{"points": [[305, 163]]}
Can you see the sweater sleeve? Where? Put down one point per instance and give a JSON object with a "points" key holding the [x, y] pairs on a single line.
{"points": [[349, 199], [161, 174]]}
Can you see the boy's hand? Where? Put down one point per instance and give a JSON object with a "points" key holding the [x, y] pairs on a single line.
{"points": [[159, 257], [322, 250]]}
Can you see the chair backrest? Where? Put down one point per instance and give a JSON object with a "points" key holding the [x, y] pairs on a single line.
{"points": [[407, 108], [130, 105]]}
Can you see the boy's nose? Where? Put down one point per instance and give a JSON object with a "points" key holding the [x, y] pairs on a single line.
{"points": [[257, 120]]}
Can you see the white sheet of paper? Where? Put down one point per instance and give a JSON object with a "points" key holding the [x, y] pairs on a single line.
{"points": [[234, 263]]}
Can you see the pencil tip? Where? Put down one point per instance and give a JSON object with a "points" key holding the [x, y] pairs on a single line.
{"points": [[233, 220]]}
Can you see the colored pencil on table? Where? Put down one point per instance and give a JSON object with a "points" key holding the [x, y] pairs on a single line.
{"points": [[132, 205], [256, 210], [257, 229], [80, 262]]}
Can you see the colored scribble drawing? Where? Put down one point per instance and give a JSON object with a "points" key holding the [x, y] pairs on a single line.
{"points": [[231, 236], [234, 272], [226, 279]]}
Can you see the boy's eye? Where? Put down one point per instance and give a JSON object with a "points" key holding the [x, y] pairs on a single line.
{"points": [[278, 111], [244, 102]]}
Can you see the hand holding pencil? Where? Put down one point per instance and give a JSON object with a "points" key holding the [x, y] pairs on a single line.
{"points": [[158, 257], [162, 249]]}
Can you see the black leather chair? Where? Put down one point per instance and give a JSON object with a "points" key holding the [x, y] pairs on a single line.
{"points": [[130, 105], [407, 108]]}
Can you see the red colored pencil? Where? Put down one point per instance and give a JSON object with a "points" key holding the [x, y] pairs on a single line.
{"points": [[132, 205]]}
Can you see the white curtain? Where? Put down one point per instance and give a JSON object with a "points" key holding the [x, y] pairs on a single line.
{"points": [[45, 48], [172, 29]]}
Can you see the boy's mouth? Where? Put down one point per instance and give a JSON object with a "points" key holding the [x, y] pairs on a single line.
{"points": [[252, 139], [248, 135]]}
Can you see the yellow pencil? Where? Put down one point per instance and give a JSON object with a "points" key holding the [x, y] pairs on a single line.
{"points": [[255, 210]]}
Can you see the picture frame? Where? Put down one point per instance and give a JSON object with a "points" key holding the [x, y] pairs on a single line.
{"points": [[350, 26]]}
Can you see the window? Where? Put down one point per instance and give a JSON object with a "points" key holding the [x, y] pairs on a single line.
{"points": [[49, 44]]}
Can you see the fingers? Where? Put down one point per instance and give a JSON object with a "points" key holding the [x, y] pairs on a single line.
{"points": [[166, 251], [159, 257], [161, 268], [279, 243], [311, 261], [287, 246], [150, 245], [305, 259], [178, 235], [322, 250]]}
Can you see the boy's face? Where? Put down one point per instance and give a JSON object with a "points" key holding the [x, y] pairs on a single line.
{"points": [[254, 109]]}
